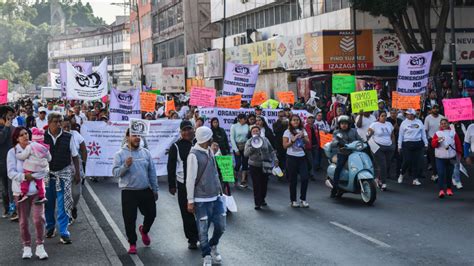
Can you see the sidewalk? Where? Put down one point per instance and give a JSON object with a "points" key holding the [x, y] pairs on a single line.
{"points": [[89, 244]]}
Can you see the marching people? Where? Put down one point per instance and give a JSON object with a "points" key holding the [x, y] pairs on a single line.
{"points": [[312, 147], [205, 195], [27, 208], [135, 170], [279, 128], [59, 181], [294, 141], [177, 166], [363, 122], [448, 148], [412, 143], [432, 122], [460, 130], [220, 136], [396, 122], [469, 144], [382, 134], [262, 158], [6, 131], [265, 130], [238, 137]]}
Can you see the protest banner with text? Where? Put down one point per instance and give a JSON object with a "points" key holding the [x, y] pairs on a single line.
{"points": [[258, 98], [240, 79], [343, 84], [231, 102], [413, 73], [286, 97], [324, 138], [405, 102], [84, 87], [3, 91], [459, 109], [124, 105], [202, 97], [226, 166], [147, 101], [364, 100]]}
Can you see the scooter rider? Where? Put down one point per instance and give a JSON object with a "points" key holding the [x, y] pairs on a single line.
{"points": [[342, 136]]}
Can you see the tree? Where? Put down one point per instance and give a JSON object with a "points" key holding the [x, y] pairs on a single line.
{"points": [[396, 11], [10, 71]]}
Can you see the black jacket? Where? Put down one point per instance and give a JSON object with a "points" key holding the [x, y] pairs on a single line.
{"points": [[219, 135], [279, 129], [60, 151], [184, 147], [5, 145]]}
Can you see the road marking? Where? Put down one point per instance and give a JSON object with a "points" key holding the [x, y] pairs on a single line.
{"points": [[364, 236], [115, 228]]}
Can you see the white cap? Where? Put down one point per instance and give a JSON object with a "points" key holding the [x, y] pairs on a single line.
{"points": [[411, 111], [203, 134], [42, 109]]}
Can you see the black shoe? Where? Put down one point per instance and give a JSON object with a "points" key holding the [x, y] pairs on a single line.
{"points": [[74, 213], [258, 208], [333, 192], [65, 240], [14, 217], [51, 233], [264, 204], [192, 246]]}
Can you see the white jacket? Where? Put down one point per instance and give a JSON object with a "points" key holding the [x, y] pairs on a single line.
{"points": [[15, 172], [447, 148]]}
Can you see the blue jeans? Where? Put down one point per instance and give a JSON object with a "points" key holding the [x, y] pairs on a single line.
{"points": [[445, 172], [63, 218], [205, 214], [341, 161]]}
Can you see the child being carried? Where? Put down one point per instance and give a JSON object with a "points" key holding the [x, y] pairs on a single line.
{"points": [[36, 157]]}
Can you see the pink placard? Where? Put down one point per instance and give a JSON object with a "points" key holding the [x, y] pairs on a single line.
{"points": [[202, 97], [3, 91], [459, 109]]}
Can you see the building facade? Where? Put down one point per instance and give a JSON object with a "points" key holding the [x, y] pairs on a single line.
{"points": [[140, 14], [93, 45]]}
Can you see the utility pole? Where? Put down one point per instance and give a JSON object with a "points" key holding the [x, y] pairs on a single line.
{"points": [[453, 52], [354, 32], [224, 27], [142, 74]]}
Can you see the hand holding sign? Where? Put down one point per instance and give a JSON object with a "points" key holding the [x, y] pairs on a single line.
{"points": [[139, 127], [225, 164]]}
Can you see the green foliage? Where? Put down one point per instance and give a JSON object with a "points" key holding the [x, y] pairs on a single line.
{"points": [[11, 71], [378, 8]]}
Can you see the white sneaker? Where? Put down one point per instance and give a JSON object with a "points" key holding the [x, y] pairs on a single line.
{"points": [[304, 204], [216, 257], [384, 187], [400, 179], [459, 185], [41, 253], [434, 178], [294, 204], [27, 253], [207, 261], [416, 182]]}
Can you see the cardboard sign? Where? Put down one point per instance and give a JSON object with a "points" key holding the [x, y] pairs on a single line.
{"points": [[286, 97], [169, 106], [343, 84], [258, 98], [226, 166], [157, 92], [413, 73], [231, 102], [364, 100], [139, 127], [3, 91], [324, 138], [270, 104], [405, 102], [459, 109], [147, 101], [202, 97]]}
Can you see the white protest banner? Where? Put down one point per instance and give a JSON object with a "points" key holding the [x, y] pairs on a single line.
{"points": [[83, 67], [139, 127], [240, 79], [124, 105], [87, 87], [103, 140], [413, 73], [55, 80]]}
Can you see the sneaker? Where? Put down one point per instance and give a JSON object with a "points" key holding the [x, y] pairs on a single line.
{"points": [[71, 221], [441, 194], [132, 250], [41, 201], [243, 185], [416, 182], [27, 254], [207, 261], [400, 179], [264, 204], [65, 240], [304, 204], [51, 233], [145, 238], [74, 213], [295, 204], [384, 187], [216, 257], [257, 208], [41, 253], [5, 215], [434, 178], [449, 192], [459, 185], [192, 246], [22, 198], [14, 217]]}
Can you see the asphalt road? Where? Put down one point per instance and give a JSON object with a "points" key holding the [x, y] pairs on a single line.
{"points": [[407, 226]]}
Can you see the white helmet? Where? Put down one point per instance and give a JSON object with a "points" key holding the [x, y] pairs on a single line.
{"points": [[343, 118]]}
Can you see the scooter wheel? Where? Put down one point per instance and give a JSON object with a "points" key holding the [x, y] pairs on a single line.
{"points": [[369, 193]]}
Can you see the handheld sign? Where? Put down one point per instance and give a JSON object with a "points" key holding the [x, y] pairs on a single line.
{"points": [[364, 100], [139, 127], [286, 97], [231, 102], [258, 98], [324, 138], [3, 91], [343, 84], [459, 109], [202, 97], [225, 164], [147, 101], [405, 102]]}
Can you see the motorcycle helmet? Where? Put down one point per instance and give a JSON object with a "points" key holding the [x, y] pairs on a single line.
{"points": [[343, 118]]}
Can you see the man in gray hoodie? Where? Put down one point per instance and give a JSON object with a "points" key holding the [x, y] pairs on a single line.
{"points": [[134, 168]]}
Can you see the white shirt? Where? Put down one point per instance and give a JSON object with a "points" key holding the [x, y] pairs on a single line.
{"points": [[78, 139], [293, 150], [16, 172], [183, 111], [412, 130], [41, 123], [469, 136], [191, 170], [72, 144], [382, 133], [366, 122], [323, 125], [432, 124]]}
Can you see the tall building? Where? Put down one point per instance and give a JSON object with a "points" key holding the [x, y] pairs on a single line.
{"points": [[140, 14], [93, 44]]}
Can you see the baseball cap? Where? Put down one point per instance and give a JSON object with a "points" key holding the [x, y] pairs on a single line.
{"points": [[42, 109], [410, 111], [185, 124]]}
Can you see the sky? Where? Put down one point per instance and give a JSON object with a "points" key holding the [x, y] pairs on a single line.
{"points": [[104, 9]]}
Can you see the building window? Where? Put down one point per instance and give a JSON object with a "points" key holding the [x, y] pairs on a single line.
{"points": [[269, 17], [277, 15], [170, 49]]}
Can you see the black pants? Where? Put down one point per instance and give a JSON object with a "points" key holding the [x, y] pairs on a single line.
{"points": [[382, 160], [144, 200], [432, 158], [260, 184], [297, 166], [5, 189], [412, 152], [189, 223], [281, 155]]}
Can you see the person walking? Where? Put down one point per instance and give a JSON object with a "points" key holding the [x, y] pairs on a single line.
{"points": [[382, 134], [261, 162], [205, 195], [59, 181], [220, 136], [396, 122], [177, 164], [312, 147], [6, 130], [238, 138], [432, 122], [448, 148], [294, 141], [41, 120], [28, 207], [411, 141], [135, 170]]}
